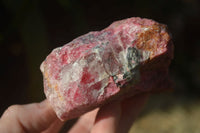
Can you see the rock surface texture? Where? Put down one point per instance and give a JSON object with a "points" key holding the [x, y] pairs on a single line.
{"points": [[130, 56]]}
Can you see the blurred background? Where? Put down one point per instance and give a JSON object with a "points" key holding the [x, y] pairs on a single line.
{"points": [[30, 29]]}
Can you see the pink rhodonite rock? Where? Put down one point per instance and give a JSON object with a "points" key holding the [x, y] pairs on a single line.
{"points": [[130, 56]]}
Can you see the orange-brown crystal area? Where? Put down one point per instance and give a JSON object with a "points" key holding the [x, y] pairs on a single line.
{"points": [[152, 38], [50, 85]]}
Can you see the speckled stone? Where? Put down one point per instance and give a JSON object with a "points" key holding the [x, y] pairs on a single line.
{"points": [[130, 56]]}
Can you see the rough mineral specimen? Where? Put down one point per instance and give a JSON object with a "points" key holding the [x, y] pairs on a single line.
{"points": [[130, 56]]}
